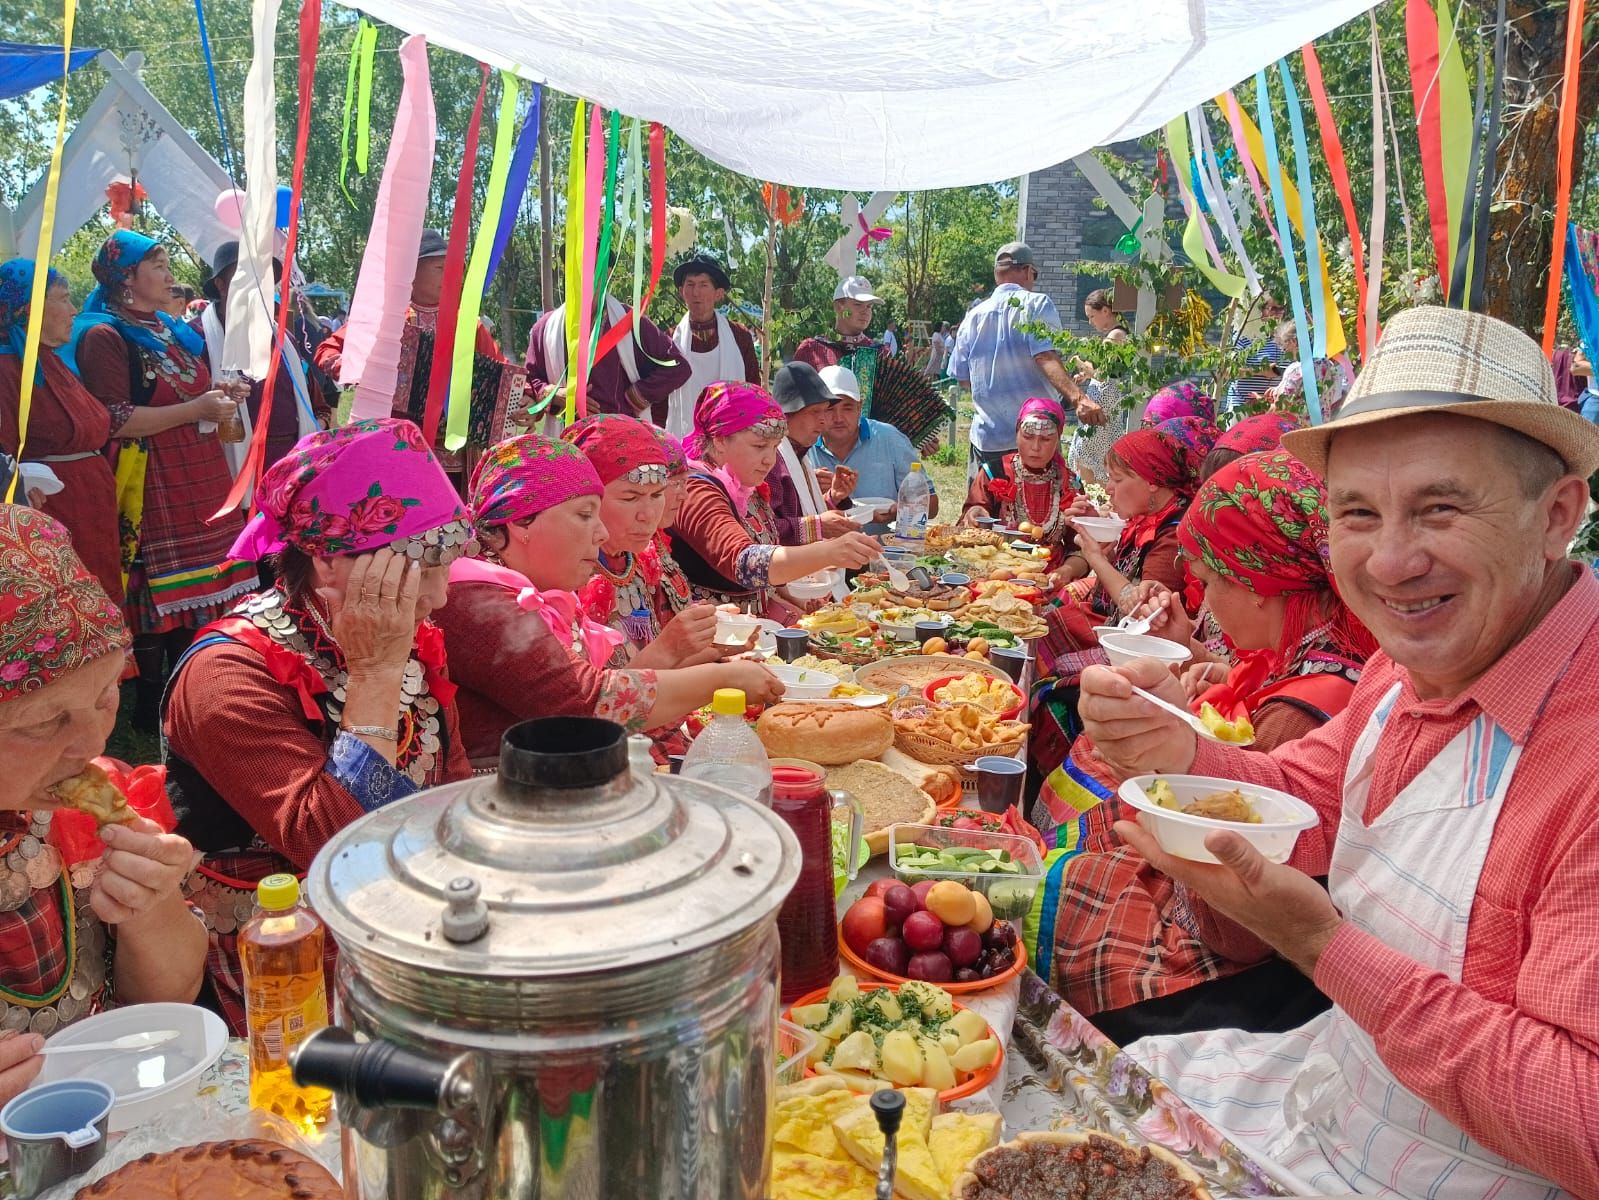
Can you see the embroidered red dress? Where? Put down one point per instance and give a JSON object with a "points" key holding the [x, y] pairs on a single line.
{"points": [[1038, 497]]}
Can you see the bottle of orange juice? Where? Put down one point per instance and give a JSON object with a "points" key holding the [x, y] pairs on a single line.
{"points": [[285, 999]]}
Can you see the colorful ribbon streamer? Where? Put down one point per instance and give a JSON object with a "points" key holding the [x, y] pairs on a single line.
{"points": [[590, 243], [363, 100], [41, 252], [1333, 147], [1280, 182], [1315, 262], [1568, 129], [1421, 41], [1460, 270], [454, 273], [216, 96], [376, 327], [1221, 203], [1285, 231], [1197, 243], [1485, 189], [614, 334], [521, 171], [869, 234], [1228, 103], [349, 111], [1457, 128], [460, 410], [310, 32], [607, 231], [1379, 194], [1584, 303], [576, 185]]}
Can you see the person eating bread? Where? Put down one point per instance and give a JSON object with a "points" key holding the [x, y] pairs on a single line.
{"points": [[73, 934]]}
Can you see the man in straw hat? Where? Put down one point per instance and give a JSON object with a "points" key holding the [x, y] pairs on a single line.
{"points": [[1456, 809]]}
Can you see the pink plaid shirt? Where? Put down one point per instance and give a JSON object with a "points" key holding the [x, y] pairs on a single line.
{"points": [[1510, 1054]]}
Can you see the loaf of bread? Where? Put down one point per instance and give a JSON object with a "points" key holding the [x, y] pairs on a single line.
{"points": [[827, 734], [234, 1170]]}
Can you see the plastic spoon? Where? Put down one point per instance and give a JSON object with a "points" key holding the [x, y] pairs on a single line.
{"points": [[1132, 624], [1188, 718], [131, 1041], [896, 577]]}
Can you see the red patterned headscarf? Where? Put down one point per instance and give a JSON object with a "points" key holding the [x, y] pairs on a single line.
{"points": [[676, 460], [620, 446], [724, 409], [1263, 431], [523, 476], [1158, 458], [356, 489], [1261, 522], [54, 616]]}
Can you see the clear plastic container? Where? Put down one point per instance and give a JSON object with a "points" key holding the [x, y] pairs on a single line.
{"points": [[728, 754], [794, 1047], [910, 509], [1010, 893], [285, 999]]}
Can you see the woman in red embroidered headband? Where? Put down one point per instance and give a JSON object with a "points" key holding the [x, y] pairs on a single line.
{"points": [[338, 702], [62, 648]]}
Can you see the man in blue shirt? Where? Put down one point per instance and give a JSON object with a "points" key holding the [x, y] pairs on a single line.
{"points": [[1005, 366], [857, 456]]}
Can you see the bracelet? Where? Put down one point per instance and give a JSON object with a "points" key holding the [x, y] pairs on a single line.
{"points": [[373, 731]]}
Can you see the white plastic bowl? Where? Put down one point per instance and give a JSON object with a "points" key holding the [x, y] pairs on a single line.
{"points": [[1123, 648], [1101, 529], [863, 510], [1282, 817], [734, 629], [801, 683], [817, 584], [147, 1082]]}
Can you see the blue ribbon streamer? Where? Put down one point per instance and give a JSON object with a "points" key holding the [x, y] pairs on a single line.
{"points": [[1285, 231], [1307, 212], [216, 96], [1584, 303], [1197, 182], [521, 171]]}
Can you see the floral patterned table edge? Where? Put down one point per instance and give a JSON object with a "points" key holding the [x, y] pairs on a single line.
{"points": [[1063, 1071]]}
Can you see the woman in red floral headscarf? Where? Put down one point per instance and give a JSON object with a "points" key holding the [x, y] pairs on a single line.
{"points": [[1034, 485], [726, 533], [1117, 943], [86, 919], [337, 701], [521, 645]]}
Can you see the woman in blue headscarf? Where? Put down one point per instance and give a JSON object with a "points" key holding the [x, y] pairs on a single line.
{"points": [[67, 427], [150, 372]]}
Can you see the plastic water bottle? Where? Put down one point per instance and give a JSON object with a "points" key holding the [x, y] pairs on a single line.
{"points": [[727, 752], [910, 513], [285, 999]]}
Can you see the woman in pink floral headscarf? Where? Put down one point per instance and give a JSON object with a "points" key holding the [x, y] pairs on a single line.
{"points": [[520, 642], [726, 533], [337, 700]]}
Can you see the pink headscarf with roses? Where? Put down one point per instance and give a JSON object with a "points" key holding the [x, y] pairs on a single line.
{"points": [[354, 490]]}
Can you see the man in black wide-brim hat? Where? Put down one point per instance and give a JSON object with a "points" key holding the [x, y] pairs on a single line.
{"points": [[714, 347]]}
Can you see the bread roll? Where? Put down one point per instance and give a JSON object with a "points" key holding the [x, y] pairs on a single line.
{"points": [[828, 734]]}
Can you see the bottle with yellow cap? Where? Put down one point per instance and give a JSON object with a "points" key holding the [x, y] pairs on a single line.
{"points": [[727, 752], [285, 999]]}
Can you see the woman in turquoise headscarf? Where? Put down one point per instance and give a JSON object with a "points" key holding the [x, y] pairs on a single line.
{"points": [[150, 372], [67, 427]]}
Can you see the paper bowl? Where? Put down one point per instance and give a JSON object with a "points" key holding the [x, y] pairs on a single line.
{"points": [[1282, 817], [1101, 529], [146, 1082], [816, 585], [803, 683], [1124, 648]]}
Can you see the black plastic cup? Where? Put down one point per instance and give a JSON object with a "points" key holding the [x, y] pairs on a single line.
{"points": [[999, 782], [1010, 659], [926, 630], [792, 643]]}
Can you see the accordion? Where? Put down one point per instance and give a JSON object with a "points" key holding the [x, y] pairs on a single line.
{"points": [[896, 393], [499, 390]]}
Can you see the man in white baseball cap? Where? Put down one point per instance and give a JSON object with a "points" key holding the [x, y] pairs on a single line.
{"points": [[860, 456]]}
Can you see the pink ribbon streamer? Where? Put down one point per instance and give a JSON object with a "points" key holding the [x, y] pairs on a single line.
{"points": [[1236, 124], [592, 205], [383, 290]]}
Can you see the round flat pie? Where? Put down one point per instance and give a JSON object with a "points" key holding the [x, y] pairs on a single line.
{"points": [[1084, 1166], [234, 1170], [887, 798]]}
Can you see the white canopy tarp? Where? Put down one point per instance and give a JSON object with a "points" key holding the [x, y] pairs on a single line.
{"points": [[882, 94]]}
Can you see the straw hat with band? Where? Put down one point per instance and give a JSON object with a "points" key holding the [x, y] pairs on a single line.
{"points": [[1445, 360]]}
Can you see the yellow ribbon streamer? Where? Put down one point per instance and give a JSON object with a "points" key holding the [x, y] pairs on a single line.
{"points": [[1336, 342], [460, 401], [576, 173], [1455, 123], [41, 254], [1194, 246]]}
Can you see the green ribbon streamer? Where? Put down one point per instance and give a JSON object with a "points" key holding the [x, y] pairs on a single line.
{"points": [[363, 106], [576, 171], [349, 110], [602, 257], [460, 401], [1193, 239]]}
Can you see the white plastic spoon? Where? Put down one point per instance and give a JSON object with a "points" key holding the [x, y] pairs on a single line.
{"points": [[1184, 715], [131, 1041]]}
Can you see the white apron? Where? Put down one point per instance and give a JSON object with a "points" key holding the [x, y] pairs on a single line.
{"points": [[812, 502], [1318, 1100], [724, 362]]}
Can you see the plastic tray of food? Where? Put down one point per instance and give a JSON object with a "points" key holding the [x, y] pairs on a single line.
{"points": [[1005, 868], [794, 1046]]}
